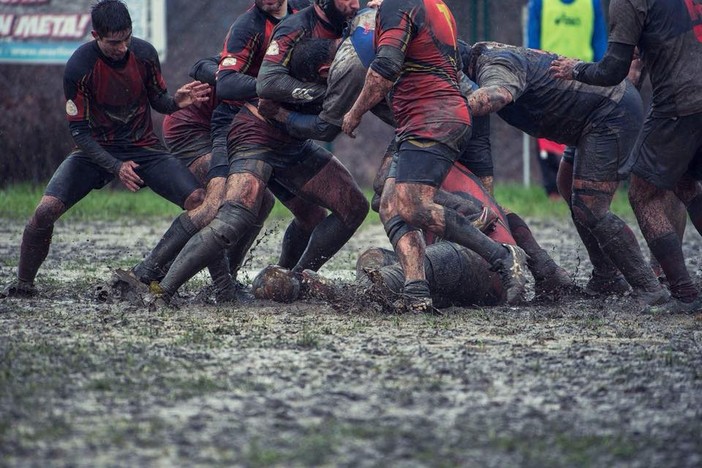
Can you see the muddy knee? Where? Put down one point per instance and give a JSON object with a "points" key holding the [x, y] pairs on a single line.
{"points": [[195, 199], [47, 212], [231, 222]]}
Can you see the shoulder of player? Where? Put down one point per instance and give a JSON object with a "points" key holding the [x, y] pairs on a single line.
{"points": [[82, 60], [142, 49], [296, 23], [297, 5]]}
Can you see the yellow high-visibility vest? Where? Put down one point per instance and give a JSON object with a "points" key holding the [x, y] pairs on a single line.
{"points": [[566, 29]]}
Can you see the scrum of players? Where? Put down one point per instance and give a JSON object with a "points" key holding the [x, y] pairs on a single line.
{"points": [[292, 72]]}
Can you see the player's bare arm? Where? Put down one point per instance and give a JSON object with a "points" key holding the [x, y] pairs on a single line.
{"points": [[489, 99], [374, 90]]}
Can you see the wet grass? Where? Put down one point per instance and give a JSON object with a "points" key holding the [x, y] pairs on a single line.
{"points": [[18, 202]]}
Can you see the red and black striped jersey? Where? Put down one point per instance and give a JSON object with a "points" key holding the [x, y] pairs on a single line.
{"points": [[115, 98], [426, 96], [244, 49]]}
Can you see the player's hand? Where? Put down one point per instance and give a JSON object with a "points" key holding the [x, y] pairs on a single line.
{"points": [[268, 108], [129, 177], [374, 3], [192, 92], [350, 123], [562, 68]]}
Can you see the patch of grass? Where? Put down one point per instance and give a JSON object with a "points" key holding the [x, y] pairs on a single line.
{"points": [[308, 337], [569, 449], [532, 202], [18, 202]]}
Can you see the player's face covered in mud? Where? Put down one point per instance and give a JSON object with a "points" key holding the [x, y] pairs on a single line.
{"points": [[270, 6]]}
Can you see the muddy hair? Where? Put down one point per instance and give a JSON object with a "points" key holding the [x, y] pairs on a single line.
{"points": [[110, 16], [308, 56]]}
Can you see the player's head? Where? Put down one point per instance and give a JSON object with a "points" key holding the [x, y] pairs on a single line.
{"points": [[110, 16], [270, 6], [338, 11], [311, 59]]}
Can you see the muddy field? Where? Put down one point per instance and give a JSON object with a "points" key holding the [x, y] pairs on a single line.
{"points": [[577, 383]]}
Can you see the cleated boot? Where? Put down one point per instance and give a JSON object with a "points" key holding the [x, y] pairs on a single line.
{"points": [[157, 298], [651, 298], [126, 281], [676, 306], [19, 289], [606, 284], [512, 270], [485, 220], [416, 298]]}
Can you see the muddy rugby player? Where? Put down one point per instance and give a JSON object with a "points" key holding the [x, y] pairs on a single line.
{"points": [[668, 153], [260, 151], [346, 67], [236, 70], [110, 84], [433, 127]]}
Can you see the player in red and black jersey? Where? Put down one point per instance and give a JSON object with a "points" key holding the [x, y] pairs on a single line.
{"points": [[261, 152], [110, 84], [668, 152], [417, 60]]}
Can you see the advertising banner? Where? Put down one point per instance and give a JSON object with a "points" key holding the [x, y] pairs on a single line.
{"points": [[48, 31]]}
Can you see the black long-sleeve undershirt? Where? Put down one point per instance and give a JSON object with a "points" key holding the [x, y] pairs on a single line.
{"points": [[609, 71]]}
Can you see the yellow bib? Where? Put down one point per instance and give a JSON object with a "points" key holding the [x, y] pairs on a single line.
{"points": [[567, 29]]}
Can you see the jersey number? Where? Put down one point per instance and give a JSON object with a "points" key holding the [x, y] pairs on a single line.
{"points": [[694, 8]]}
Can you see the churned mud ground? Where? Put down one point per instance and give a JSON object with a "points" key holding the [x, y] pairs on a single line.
{"points": [[576, 383]]}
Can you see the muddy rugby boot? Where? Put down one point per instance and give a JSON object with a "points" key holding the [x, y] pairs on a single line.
{"points": [[512, 270], [676, 306], [158, 298], [486, 220], [126, 280], [606, 284], [20, 289], [416, 298]]}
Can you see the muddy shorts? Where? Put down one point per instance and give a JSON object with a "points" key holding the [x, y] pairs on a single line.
{"points": [[188, 150], [78, 175], [426, 161], [667, 148], [477, 156], [285, 169], [603, 152]]}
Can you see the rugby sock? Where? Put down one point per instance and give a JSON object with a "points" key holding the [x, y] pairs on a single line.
{"points": [[694, 209], [602, 265], [154, 266], [236, 254], [219, 272], [295, 242], [326, 240], [33, 251], [460, 230], [618, 241], [208, 244], [668, 251], [539, 262]]}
